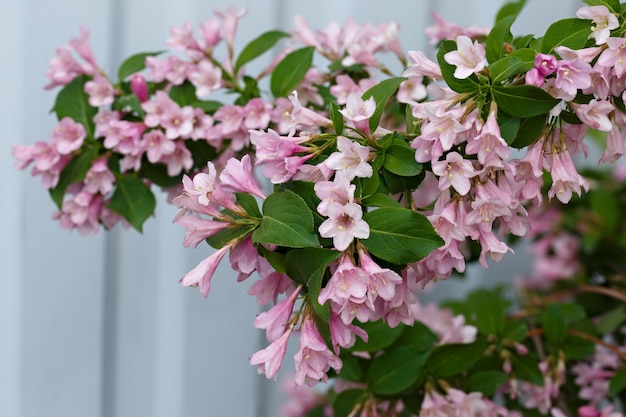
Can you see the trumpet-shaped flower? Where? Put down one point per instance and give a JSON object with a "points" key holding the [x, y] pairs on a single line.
{"points": [[469, 58]]}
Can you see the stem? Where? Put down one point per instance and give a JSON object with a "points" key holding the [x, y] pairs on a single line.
{"points": [[586, 336]]}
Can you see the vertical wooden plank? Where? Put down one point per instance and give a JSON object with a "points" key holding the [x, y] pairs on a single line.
{"points": [[61, 272]]}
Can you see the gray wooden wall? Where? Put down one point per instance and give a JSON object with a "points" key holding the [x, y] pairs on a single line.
{"points": [[99, 326]]}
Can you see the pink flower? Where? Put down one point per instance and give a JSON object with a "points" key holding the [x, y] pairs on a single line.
{"points": [[179, 160], [156, 108], [63, 68], [313, 359], [489, 145], [571, 75], [614, 56], [178, 121], [238, 176], [182, 40], [344, 224], [231, 117], [206, 77], [469, 58], [382, 281], [275, 319], [454, 171], [351, 159], [421, 66], [270, 286], [338, 191], [359, 111], [257, 114], [565, 178], [347, 282], [68, 136], [201, 275], [270, 358], [100, 91], [198, 229], [546, 64], [230, 18], [604, 21], [99, 179], [344, 335]]}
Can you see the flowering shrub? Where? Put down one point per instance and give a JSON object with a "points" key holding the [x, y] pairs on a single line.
{"points": [[382, 184]]}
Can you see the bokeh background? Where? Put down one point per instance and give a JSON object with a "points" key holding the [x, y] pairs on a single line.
{"points": [[98, 325]]}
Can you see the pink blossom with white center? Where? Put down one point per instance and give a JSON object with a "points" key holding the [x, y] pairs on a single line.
{"points": [[489, 145], [565, 178], [545, 64], [313, 358], [359, 111], [281, 115], [158, 68], [490, 246], [271, 146], [257, 114], [81, 212], [68, 136], [304, 117], [454, 171], [124, 136], [99, 178], [103, 119], [183, 40], [206, 77], [231, 117], [179, 160], [337, 191], [614, 56], [603, 19], [346, 86], [202, 185], [177, 70], [202, 274], [230, 18], [421, 66], [343, 335], [202, 123], [198, 229], [348, 282], [210, 31], [344, 224], [268, 360], [100, 91], [382, 281], [411, 90], [275, 320], [351, 159], [82, 47], [63, 68], [469, 58], [571, 75], [270, 286], [178, 121], [157, 145], [614, 148], [595, 114], [245, 259], [156, 108], [237, 175]]}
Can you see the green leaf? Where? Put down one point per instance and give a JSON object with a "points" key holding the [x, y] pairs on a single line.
{"points": [[352, 369], [512, 8], [347, 401], [486, 382], [515, 331], [571, 32], [509, 126], [258, 47], [134, 64], [380, 200], [381, 92], [183, 94], [418, 336], [489, 311], [468, 85], [380, 336], [133, 200], [74, 171], [397, 184], [499, 36], [290, 72], [400, 235], [527, 369], [157, 173], [400, 160], [308, 266], [370, 185], [209, 106], [523, 101], [612, 5], [607, 208], [73, 102], [612, 319], [276, 260], [201, 152], [517, 62], [249, 204], [529, 130], [395, 370], [287, 221], [336, 117], [572, 311], [554, 326], [230, 233], [618, 382], [575, 347], [452, 359]]}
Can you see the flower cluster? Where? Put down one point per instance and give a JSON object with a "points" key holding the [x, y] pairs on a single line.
{"points": [[382, 184]]}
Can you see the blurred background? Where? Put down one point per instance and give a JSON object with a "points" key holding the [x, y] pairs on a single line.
{"points": [[98, 325]]}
